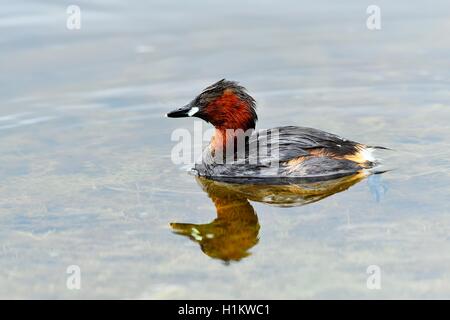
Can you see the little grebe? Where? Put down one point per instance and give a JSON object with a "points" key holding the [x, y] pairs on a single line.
{"points": [[278, 154]]}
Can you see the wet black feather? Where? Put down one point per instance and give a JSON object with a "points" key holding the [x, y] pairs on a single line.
{"points": [[284, 144]]}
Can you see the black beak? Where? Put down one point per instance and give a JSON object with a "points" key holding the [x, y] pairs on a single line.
{"points": [[182, 112]]}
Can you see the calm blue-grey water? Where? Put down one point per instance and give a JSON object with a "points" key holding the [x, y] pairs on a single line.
{"points": [[86, 172]]}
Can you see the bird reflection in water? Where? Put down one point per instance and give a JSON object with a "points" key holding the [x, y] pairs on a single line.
{"points": [[235, 231]]}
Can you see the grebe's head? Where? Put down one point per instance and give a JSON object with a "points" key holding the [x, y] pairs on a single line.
{"points": [[224, 104]]}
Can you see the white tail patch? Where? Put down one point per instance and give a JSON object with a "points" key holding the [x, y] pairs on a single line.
{"points": [[362, 156], [367, 154]]}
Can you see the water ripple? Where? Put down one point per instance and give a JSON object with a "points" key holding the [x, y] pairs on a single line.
{"points": [[23, 122]]}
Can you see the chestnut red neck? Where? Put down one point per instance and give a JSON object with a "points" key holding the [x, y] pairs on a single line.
{"points": [[231, 111]]}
